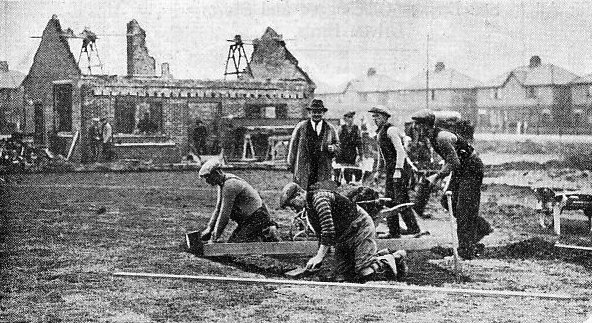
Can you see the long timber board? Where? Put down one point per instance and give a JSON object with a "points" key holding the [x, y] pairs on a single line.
{"points": [[310, 247]]}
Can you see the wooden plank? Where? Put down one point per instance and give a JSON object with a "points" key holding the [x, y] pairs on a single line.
{"points": [[310, 247], [400, 287], [560, 245], [74, 141]]}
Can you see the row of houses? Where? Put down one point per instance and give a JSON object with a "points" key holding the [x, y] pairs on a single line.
{"points": [[57, 100], [534, 98]]}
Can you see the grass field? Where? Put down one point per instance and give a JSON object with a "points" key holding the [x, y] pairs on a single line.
{"points": [[59, 249]]}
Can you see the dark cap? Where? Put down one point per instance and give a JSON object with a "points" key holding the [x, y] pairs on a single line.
{"points": [[380, 109], [426, 117], [316, 105], [349, 114]]}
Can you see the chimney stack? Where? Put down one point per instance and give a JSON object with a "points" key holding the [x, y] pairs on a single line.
{"points": [[3, 66], [138, 60], [535, 61], [165, 70], [440, 67]]}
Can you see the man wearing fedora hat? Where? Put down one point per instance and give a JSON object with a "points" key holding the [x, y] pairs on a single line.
{"points": [[350, 142], [394, 162], [312, 147]]}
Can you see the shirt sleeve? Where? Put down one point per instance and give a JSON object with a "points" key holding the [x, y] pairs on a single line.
{"points": [[445, 142], [322, 206], [395, 137], [228, 194]]}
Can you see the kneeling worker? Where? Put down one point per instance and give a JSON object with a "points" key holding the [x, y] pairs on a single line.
{"points": [[340, 223], [240, 202]]}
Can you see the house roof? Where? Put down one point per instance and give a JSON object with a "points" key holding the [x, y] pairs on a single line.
{"points": [[586, 79], [537, 74], [325, 88], [372, 82], [444, 78], [11, 79]]}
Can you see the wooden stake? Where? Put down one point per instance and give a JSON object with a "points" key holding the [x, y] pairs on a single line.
{"points": [[481, 292]]}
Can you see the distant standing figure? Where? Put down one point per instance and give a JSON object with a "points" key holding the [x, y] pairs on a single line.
{"points": [[94, 139], [146, 125], [312, 147], [199, 136], [107, 140], [350, 141]]}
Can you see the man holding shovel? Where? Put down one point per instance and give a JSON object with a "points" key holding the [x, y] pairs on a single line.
{"points": [[465, 184]]}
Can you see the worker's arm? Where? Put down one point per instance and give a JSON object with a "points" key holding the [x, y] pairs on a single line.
{"points": [[317, 260], [358, 144], [206, 234], [293, 148], [333, 140], [446, 142], [322, 205], [229, 192], [108, 133], [395, 137]]}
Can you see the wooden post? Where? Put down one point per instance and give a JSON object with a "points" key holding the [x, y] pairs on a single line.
{"points": [[453, 235]]}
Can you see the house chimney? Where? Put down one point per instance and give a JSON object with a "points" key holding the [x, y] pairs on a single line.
{"points": [[440, 67], [3, 66], [165, 70], [535, 61], [371, 72]]}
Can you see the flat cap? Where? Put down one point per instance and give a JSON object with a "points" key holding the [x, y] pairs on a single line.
{"points": [[209, 166], [288, 193], [380, 109], [317, 105], [425, 116], [349, 114]]}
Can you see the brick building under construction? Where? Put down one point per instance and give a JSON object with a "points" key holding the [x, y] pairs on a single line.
{"points": [[61, 98]]}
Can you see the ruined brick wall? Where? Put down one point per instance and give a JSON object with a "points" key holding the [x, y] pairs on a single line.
{"points": [[53, 61], [138, 60], [185, 100]]}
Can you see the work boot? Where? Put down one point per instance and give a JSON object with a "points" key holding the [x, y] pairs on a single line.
{"points": [[392, 221], [410, 220], [388, 265], [483, 228], [402, 268]]}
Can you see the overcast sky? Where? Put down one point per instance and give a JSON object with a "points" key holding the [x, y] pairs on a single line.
{"points": [[334, 40]]}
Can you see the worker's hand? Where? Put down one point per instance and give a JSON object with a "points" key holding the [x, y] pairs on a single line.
{"points": [[432, 178], [314, 263], [397, 174], [206, 234]]}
